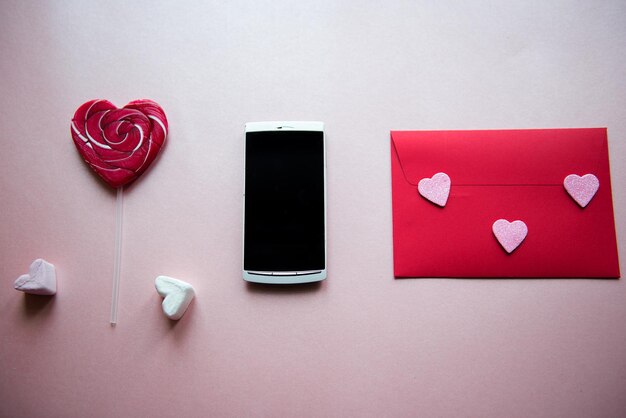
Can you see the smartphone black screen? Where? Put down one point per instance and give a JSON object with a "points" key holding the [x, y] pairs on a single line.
{"points": [[284, 201]]}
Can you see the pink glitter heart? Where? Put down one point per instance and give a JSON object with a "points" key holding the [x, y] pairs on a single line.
{"points": [[435, 189], [509, 234], [582, 189]]}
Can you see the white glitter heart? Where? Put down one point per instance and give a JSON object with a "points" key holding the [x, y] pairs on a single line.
{"points": [[582, 189], [435, 189], [509, 234]]}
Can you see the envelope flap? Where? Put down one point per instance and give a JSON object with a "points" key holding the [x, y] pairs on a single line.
{"points": [[500, 157]]}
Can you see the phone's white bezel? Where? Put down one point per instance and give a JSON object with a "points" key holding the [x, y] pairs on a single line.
{"points": [[283, 277]]}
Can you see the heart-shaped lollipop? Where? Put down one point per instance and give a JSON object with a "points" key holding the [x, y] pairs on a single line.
{"points": [[119, 144], [582, 189]]}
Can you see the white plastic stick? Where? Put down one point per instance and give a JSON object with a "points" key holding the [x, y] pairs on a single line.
{"points": [[119, 211]]}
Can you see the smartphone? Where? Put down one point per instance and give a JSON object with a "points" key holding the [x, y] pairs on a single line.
{"points": [[284, 202]]}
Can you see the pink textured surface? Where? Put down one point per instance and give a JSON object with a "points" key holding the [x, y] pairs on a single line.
{"points": [[435, 189], [359, 344], [510, 234], [582, 189]]}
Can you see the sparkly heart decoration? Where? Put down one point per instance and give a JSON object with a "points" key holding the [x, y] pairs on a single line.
{"points": [[435, 189], [119, 144], [582, 189], [40, 280], [509, 234]]}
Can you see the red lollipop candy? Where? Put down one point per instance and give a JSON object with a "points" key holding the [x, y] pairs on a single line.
{"points": [[119, 144]]}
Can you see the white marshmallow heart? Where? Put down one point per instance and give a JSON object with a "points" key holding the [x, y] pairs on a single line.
{"points": [[177, 296], [40, 280], [435, 189], [509, 234], [582, 189]]}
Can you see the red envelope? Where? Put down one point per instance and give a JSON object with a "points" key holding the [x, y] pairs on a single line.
{"points": [[502, 174]]}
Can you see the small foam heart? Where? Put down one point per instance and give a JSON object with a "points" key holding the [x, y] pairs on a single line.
{"points": [[177, 296], [40, 280], [509, 234], [582, 189], [435, 189]]}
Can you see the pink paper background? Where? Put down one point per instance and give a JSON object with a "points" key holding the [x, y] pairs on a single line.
{"points": [[359, 344]]}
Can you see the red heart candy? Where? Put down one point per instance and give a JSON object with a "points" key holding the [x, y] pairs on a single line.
{"points": [[119, 144]]}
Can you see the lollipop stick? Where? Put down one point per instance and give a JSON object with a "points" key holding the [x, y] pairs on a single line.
{"points": [[119, 211]]}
